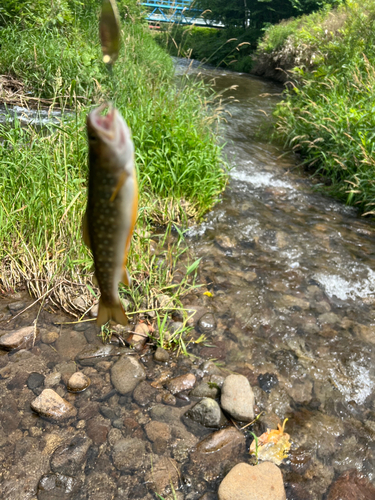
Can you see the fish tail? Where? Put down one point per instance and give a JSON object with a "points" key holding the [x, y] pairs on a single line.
{"points": [[115, 313]]}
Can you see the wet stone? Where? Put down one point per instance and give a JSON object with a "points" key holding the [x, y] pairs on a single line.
{"points": [[126, 374], [49, 404], [78, 382], [351, 485], [129, 454], [267, 381], [207, 323], [158, 430], [52, 379], [217, 350], [23, 338], [164, 473], [205, 389], [69, 459], [15, 307], [97, 429], [259, 482], [207, 412], [237, 398], [140, 337], [181, 383], [58, 487], [35, 380], [49, 337], [161, 355], [99, 486], [70, 343]]}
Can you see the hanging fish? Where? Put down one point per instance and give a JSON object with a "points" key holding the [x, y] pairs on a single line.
{"points": [[109, 31], [112, 206]]}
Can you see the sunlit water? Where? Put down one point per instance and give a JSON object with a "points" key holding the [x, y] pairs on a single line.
{"points": [[293, 276]]}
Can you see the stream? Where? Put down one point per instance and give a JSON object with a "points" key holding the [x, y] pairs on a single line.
{"points": [[291, 274]]}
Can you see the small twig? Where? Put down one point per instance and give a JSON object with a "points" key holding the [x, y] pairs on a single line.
{"points": [[255, 419]]}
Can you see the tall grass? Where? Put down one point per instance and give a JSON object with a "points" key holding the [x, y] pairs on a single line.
{"points": [[43, 175], [328, 114]]}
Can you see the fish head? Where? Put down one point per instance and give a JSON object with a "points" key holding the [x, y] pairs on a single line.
{"points": [[110, 138]]}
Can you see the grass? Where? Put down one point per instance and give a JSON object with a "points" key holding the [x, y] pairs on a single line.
{"points": [[327, 116], [43, 174]]}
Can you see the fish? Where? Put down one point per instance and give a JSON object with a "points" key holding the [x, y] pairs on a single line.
{"points": [[112, 207], [109, 31]]}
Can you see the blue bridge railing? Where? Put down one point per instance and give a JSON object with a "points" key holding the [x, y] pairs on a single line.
{"points": [[178, 11]]}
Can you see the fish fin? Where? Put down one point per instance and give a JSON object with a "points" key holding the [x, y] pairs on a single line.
{"points": [[116, 313], [85, 231], [119, 185], [126, 279]]}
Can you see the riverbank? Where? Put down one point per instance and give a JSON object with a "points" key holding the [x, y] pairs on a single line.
{"points": [[327, 112], [43, 174]]}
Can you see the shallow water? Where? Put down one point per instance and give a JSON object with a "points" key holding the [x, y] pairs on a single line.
{"points": [[292, 273]]}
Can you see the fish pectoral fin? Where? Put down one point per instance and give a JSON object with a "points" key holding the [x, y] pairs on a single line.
{"points": [[85, 231], [126, 279], [119, 185], [115, 313]]}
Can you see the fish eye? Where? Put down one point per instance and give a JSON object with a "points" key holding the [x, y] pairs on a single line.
{"points": [[92, 138]]}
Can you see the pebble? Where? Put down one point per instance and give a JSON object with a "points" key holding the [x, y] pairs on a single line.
{"points": [[23, 338], [56, 486], [78, 382], [161, 355], [69, 459], [292, 301], [70, 343], [52, 379], [97, 429], [267, 381], [126, 374], [205, 389], [181, 383], [207, 323], [141, 335], [128, 454], [144, 394], [49, 404], [164, 473], [259, 482], [351, 485], [158, 430], [208, 413], [237, 398], [49, 337], [35, 380]]}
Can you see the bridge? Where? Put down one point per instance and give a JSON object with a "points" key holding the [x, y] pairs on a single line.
{"points": [[178, 12]]}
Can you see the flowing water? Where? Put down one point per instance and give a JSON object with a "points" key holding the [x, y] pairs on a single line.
{"points": [[292, 276]]}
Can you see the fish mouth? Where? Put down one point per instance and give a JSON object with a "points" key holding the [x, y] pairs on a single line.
{"points": [[105, 124]]}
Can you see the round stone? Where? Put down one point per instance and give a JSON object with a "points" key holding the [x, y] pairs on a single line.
{"points": [[78, 382]]}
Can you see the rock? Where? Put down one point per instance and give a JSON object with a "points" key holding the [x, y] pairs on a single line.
{"points": [[225, 241], [195, 313], [216, 351], [52, 379], [126, 374], [292, 301], [114, 435], [35, 380], [351, 485], [158, 430], [216, 452], [208, 413], [82, 326], [301, 391], [205, 389], [66, 369], [49, 404], [78, 382], [70, 459], [237, 398], [49, 337], [144, 394], [163, 473], [169, 399], [267, 381], [329, 318], [259, 482], [58, 487], [24, 338], [141, 335], [129, 454], [161, 355], [103, 366], [15, 307], [165, 301], [97, 429], [70, 343], [99, 486], [94, 311], [207, 323], [181, 383], [92, 354]]}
